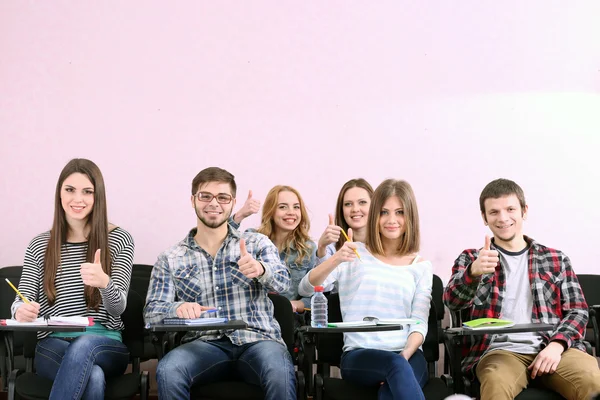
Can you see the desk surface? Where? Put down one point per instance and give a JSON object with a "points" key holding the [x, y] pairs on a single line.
{"points": [[517, 328], [233, 324], [363, 328], [42, 328]]}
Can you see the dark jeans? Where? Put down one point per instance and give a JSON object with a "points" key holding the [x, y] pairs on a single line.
{"points": [[401, 379], [265, 363], [79, 368]]}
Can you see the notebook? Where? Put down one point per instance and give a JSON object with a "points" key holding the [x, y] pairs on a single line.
{"points": [[488, 323], [194, 322], [51, 321]]}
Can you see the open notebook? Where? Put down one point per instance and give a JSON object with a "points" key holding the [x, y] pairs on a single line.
{"points": [[51, 321]]}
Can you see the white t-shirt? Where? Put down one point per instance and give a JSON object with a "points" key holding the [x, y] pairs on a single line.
{"points": [[517, 304]]}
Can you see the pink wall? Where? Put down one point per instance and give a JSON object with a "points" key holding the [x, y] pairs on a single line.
{"points": [[448, 96]]}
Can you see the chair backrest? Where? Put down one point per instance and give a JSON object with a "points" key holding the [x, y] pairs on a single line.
{"points": [[284, 314], [7, 295], [437, 294], [589, 285]]}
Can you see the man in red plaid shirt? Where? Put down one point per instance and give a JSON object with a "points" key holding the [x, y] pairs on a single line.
{"points": [[514, 277]]}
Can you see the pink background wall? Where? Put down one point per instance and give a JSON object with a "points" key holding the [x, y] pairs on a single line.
{"points": [[447, 95]]}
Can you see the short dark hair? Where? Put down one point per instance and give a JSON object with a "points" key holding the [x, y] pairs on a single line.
{"points": [[499, 188], [214, 174]]}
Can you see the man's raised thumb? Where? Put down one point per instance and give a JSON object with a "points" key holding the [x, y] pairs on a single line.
{"points": [[488, 243]]}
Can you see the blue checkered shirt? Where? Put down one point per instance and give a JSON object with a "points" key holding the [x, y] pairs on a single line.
{"points": [[187, 273]]}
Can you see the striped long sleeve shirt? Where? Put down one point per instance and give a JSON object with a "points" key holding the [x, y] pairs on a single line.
{"points": [[187, 273], [70, 298], [557, 297], [372, 288]]}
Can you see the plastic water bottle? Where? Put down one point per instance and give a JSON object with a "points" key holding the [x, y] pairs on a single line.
{"points": [[318, 309]]}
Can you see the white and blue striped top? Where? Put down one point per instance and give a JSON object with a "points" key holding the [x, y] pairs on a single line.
{"points": [[370, 287]]}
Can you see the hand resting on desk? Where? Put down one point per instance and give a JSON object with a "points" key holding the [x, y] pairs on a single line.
{"points": [[191, 310]]}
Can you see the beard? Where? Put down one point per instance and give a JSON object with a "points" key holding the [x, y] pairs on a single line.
{"points": [[213, 224]]}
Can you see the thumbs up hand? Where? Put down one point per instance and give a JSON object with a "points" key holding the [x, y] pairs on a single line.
{"points": [[348, 251], [330, 235], [92, 274], [486, 262], [248, 265], [251, 206]]}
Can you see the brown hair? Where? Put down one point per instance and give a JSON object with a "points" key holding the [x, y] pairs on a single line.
{"points": [[411, 238], [298, 237], [214, 174], [97, 220], [339, 207], [500, 188]]}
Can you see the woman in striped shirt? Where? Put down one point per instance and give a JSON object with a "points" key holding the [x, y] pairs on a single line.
{"points": [[81, 267], [390, 280]]}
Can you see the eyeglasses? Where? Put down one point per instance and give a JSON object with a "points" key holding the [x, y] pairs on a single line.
{"points": [[206, 197]]}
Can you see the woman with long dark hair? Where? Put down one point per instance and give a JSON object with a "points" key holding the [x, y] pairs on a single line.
{"points": [[81, 267]]}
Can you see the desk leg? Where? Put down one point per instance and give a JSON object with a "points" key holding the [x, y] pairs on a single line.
{"points": [[458, 379], [159, 345], [308, 344]]}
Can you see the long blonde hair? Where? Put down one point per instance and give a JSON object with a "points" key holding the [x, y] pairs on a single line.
{"points": [[299, 237]]}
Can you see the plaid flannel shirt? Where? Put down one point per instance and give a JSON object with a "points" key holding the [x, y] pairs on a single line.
{"points": [[187, 273], [557, 297]]}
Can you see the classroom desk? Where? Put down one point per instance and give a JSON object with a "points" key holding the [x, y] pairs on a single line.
{"points": [[310, 336], [453, 338], [8, 332], [159, 330]]}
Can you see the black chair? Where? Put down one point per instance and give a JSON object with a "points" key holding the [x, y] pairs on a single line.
{"points": [[7, 297], [28, 385], [234, 389], [472, 387], [590, 285], [140, 279], [329, 350]]}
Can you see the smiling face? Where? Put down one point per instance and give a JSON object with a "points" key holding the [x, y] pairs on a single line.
{"points": [[287, 215], [505, 216], [356, 207], [212, 213], [77, 197], [391, 219]]}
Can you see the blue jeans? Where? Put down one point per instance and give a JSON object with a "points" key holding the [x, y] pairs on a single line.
{"points": [[265, 363], [79, 368], [401, 379]]}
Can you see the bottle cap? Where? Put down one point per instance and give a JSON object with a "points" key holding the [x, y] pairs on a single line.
{"points": [[318, 288]]}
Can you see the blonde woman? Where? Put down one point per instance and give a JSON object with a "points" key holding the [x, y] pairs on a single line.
{"points": [[285, 221]]}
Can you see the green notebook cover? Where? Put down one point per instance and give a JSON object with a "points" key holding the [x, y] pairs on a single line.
{"points": [[488, 323]]}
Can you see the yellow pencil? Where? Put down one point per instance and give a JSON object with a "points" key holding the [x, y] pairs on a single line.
{"points": [[17, 290], [348, 239]]}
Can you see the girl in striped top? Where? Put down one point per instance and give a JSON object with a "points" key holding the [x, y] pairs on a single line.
{"points": [[390, 280], [81, 267]]}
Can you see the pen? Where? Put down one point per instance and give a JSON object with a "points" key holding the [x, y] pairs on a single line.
{"points": [[348, 239], [17, 290]]}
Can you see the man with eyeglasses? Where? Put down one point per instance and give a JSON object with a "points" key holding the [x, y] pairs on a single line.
{"points": [[217, 267]]}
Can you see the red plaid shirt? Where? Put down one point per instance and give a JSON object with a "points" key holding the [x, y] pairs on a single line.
{"points": [[557, 297]]}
